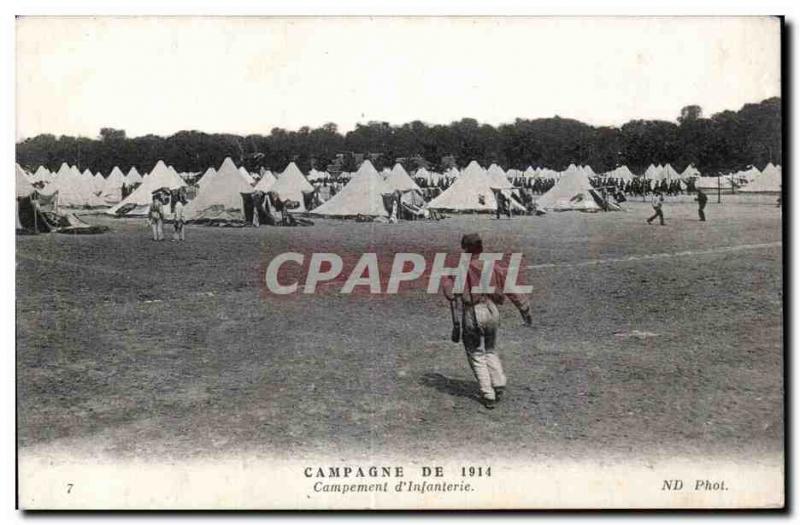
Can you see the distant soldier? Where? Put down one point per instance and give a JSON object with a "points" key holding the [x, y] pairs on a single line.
{"points": [[658, 203], [501, 200], [480, 320], [393, 213], [156, 217], [255, 199], [701, 199], [178, 218]]}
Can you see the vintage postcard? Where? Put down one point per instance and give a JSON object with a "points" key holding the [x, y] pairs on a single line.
{"points": [[399, 262]]}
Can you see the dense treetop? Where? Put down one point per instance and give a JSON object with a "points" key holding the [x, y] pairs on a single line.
{"points": [[726, 141]]}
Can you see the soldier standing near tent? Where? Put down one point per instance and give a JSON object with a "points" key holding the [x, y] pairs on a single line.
{"points": [[701, 199], [178, 217], [480, 320], [503, 204], [156, 217], [500, 200], [658, 203]]}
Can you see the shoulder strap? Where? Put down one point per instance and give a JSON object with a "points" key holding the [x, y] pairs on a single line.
{"points": [[472, 304]]}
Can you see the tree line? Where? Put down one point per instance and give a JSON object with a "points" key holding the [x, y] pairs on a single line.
{"points": [[724, 142]]}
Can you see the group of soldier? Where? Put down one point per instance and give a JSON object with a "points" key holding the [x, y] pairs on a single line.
{"points": [[164, 200], [657, 202]]}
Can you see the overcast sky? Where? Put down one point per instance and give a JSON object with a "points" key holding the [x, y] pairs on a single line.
{"points": [[248, 75]]}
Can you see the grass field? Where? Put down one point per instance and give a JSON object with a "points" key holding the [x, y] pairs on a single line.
{"points": [[646, 340]]}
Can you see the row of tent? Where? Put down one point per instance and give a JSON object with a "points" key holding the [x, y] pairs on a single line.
{"points": [[476, 190], [473, 189], [362, 195], [85, 190], [82, 189], [45, 176], [752, 180], [653, 172], [221, 191], [37, 212]]}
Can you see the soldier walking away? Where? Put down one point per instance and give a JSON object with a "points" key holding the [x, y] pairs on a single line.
{"points": [[156, 217], [701, 199], [658, 203], [480, 319]]}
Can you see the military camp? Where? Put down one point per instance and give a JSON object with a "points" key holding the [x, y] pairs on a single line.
{"points": [[380, 260]]}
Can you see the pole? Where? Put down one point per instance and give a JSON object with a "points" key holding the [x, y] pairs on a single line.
{"points": [[719, 189]]}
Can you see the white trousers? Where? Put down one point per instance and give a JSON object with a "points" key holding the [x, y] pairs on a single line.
{"points": [[158, 230], [482, 358]]}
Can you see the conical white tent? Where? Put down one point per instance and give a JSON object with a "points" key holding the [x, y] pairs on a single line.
{"points": [[133, 177], [770, 181], [138, 202], [291, 185], [111, 191], [207, 177], [670, 173], [398, 179], [472, 191], [621, 172], [690, 172], [222, 194], [42, 175], [266, 182], [23, 185], [363, 195], [74, 190], [63, 170], [625, 173], [498, 178], [657, 173], [174, 172], [97, 180], [571, 192]]}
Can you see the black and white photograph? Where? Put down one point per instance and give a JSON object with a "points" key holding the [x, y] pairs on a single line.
{"points": [[399, 262]]}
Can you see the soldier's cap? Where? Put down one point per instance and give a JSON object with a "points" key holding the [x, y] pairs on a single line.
{"points": [[472, 242]]}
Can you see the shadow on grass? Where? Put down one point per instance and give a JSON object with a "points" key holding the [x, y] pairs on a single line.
{"points": [[453, 387]]}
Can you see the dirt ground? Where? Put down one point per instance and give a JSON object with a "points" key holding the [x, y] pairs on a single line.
{"points": [[646, 340]]}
